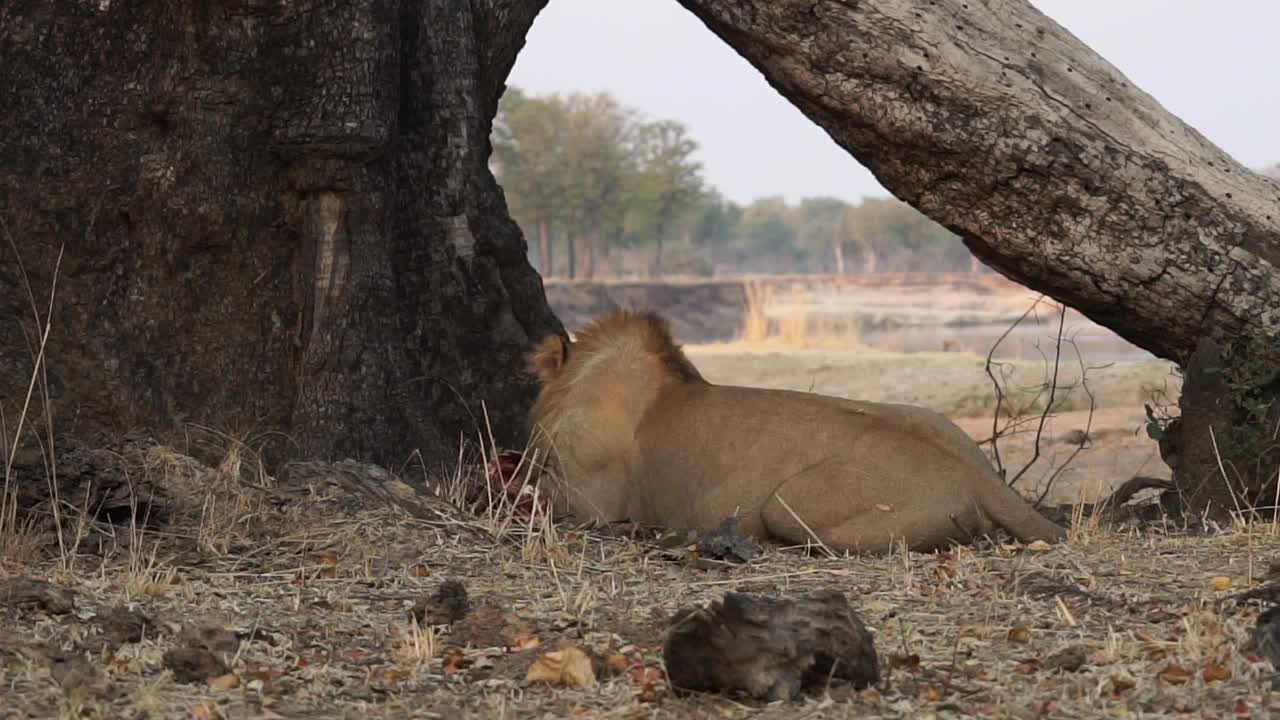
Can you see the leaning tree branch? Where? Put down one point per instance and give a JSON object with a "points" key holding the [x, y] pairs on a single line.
{"points": [[1056, 170]]}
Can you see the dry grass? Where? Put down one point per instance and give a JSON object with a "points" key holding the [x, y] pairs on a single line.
{"points": [[788, 320], [21, 541], [320, 587], [17, 536]]}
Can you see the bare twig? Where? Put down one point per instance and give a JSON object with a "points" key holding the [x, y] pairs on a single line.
{"points": [[1053, 388], [995, 418], [1088, 424], [817, 540], [1225, 478]]}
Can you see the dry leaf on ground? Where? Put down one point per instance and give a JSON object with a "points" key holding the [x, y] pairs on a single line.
{"points": [[230, 681], [566, 666], [1174, 674], [1216, 673]]}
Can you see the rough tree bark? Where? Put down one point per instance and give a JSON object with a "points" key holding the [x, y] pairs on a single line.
{"points": [[1056, 170], [276, 217]]}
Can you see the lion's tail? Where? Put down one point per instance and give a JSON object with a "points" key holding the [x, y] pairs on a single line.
{"points": [[1010, 511]]}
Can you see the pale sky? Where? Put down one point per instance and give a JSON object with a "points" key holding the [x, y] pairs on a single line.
{"points": [[1211, 62]]}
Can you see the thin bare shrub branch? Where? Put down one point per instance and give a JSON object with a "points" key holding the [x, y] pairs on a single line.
{"points": [[1048, 406], [1088, 423], [995, 418]]}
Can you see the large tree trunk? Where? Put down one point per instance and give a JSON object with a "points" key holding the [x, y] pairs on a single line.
{"points": [[276, 217], [1056, 170]]}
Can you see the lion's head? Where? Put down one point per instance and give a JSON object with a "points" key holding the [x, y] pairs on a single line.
{"points": [[610, 352], [595, 388]]}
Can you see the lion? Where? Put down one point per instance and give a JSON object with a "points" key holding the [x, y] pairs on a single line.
{"points": [[630, 430]]}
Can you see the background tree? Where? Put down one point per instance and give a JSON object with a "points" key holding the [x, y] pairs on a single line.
{"points": [[589, 173], [865, 227], [716, 220], [1055, 170], [598, 164], [768, 234], [529, 148], [820, 230], [667, 182], [272, 219], [893, 236]]}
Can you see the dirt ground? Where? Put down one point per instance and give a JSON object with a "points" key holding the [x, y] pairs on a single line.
{"points": [[268, 599], [223, 592]]}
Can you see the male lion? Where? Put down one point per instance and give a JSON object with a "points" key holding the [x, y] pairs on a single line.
{"points": [[635, 432]]}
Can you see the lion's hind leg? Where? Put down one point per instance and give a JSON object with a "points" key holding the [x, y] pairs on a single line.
{"points": [[875, 529]]}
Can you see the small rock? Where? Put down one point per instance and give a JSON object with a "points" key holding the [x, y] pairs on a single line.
{"points": [[194, 664], [446, 606], [767, 647], [726, 543], [1068, 659], [488, 626], [220, 641], [73, 672], [1265, 636], [26, 593], [1074, 437], [121, 625]]}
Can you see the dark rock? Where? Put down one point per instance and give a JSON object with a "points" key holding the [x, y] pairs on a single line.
{"points": [[26, 593], [1264, 638], [446, 606], [1068, 659], [194, 664], [769, 648], [121, 625], [726, 543], [217, 640]]}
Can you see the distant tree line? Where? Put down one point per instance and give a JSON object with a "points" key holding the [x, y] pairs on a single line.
{"points": [[600, 190]]}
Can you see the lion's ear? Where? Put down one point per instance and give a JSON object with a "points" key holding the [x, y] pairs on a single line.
{"points": [[548, 358]]}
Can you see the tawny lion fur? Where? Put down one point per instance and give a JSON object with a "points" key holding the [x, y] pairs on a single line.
{"points": [[632, 431]]}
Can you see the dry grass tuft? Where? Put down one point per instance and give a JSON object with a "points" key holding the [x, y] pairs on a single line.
{"points": [[21, 541], [790, 321], [416, 645], [227, 499]]}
